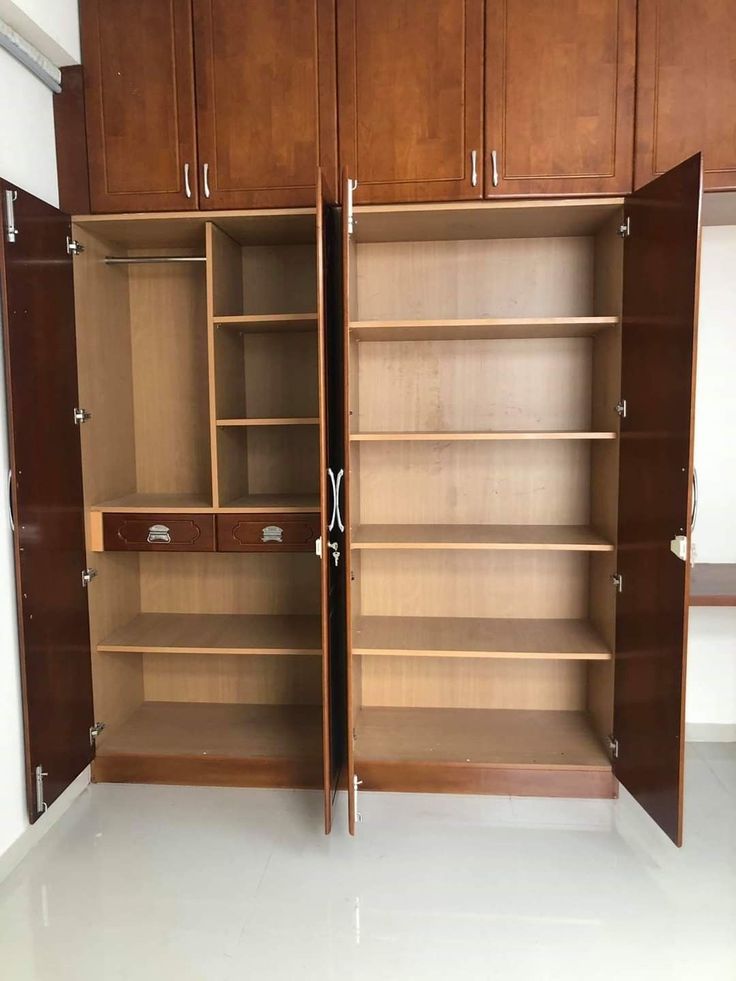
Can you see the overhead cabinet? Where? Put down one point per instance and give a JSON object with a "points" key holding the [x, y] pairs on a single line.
{"points": [[686, 88], [519, 452], [261, 75]]}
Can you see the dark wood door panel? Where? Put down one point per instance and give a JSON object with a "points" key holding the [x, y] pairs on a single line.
{"points": [[158, 532], [46, 487], [266, 100], [686, 88], [661, 273], [559, 97], [139, 92], [410, 98]]}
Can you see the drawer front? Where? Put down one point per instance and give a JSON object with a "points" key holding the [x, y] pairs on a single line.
{"points": [[159, 532], [267, 532]]}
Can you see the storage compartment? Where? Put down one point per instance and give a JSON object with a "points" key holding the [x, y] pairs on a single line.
{"points": [[158, 532], [267, 532]]}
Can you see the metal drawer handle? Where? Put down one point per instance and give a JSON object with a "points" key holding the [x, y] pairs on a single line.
{"points": [[187, 185], [474, 168], [272, 533], [494, 167], [159, 535], [206, 179]]}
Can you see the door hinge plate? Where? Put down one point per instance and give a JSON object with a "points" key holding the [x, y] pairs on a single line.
{"points": [[11, 229], [352, 186], [620, 407], [40, 773], [624, 229], [356, 784], [73, 247], [618, 581], [94, 731], [80, 416], [87, 576], [613, 746], [678, 546]]}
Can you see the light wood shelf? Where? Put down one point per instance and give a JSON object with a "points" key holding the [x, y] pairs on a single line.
{"points": [[215, 633], [557, 537], [307, 421], [479, 329], [713, 584], [483, 737], [478, 637], [284, 503], [216, 730], [269, 323], [143, 503], [442, 437]]}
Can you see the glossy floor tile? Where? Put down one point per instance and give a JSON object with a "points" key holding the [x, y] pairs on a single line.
{"points": [[139, 883]]}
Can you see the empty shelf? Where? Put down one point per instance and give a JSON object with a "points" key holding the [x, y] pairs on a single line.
{"points": [[477, 637], [443, 437], [500, 737], [560, 537], [216, 633], [272, 502], [479, 329], [307, 421], [713, 584], [156, 502], [269, 323], [216, 730]]}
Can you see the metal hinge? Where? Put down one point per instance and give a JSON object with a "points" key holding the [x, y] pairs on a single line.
{"points": [[620, 407], [352, 186], [94, 732], [613, 746], [73, 247], [618, 581], [87, 576], [40, 805], [356, 783], [11, 230], [81, 415], [678, 546], [624, 229]]}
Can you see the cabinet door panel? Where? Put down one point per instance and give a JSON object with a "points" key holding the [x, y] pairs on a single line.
{"points": [[686, 88], [559, 96], [661, 279], [410, 110], [139, 92], [266, 102]]}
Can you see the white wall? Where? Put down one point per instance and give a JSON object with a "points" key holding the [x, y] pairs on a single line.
{"points": [[711, 683], [27, 158]]}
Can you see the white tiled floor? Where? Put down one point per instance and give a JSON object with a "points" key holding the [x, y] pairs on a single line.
{"points": [[139, 883]]}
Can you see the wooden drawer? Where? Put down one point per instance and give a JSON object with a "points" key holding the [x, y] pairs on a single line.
{"points": [[159, 532], [267, 532]]}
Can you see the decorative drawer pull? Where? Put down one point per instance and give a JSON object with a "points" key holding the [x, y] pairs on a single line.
{"points": [[272, 533], [159, 535]]}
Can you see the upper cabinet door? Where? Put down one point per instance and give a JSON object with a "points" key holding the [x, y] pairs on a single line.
{"points": [[139, 87], [660, 293], [265, 101], [559, 97], [410, 98], [686, 88]]}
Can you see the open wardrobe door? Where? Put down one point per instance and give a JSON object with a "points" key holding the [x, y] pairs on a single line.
{"points": [[660, 300], [45, 486]]}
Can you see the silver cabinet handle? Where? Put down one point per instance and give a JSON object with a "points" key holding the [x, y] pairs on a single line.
{"points": [[494, 167], [187, 185], [474, 168], [336, 516], [694, 515], [206, 179], [10, 501], [340, 475]]}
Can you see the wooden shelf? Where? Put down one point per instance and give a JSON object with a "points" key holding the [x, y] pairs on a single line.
{"points": [[284, 503], [480, 737], [216, 731], [479, 329], [269, 323], [478, 637], [143, 503], [443, 437], [215, 633], [308, 421], [558, 537], [713, 584]]}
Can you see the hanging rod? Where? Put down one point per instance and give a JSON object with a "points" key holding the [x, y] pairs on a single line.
{"points": [[115, 260]]}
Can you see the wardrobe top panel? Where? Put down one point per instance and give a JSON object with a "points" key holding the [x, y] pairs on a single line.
{"points": [[492, 219], [185, 230]]}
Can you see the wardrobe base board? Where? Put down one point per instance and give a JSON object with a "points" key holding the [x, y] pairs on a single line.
{"points": [[511, 781], [194, 771]]}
